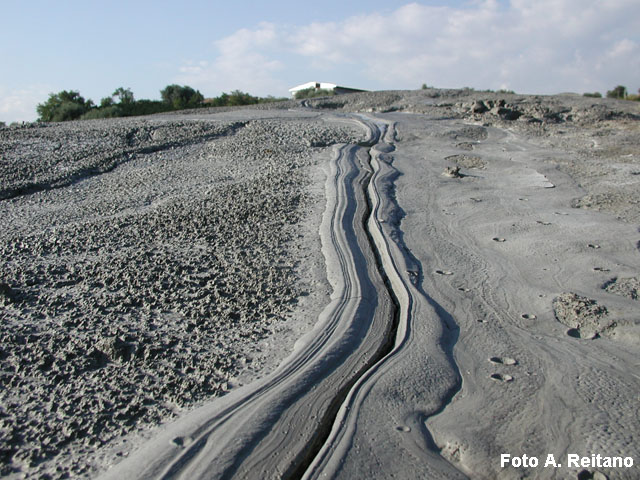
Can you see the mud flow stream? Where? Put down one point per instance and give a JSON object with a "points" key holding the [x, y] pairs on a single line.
{"points": [[276, 426]]}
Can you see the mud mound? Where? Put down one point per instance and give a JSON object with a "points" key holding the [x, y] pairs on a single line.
{"points": [[467, 161], [625, 287], [584, 317]]}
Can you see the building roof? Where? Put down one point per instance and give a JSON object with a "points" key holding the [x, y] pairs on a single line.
{"points": [[321, 85]]}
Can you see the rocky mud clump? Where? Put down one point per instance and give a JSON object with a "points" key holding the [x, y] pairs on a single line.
{"points": [[584, 316]]}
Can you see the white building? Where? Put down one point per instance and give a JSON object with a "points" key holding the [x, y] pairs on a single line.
{"points": [[323, 86]]}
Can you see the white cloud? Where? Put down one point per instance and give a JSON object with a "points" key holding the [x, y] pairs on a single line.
{"points": [[245, 39], [623, 49], [17, 105], [541, 46], [240, 64], [544, 46]]}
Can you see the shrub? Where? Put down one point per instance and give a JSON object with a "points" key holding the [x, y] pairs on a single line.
{"points": [[240, 98], [232, 99], [618, 92], [110, 111], [271, 99], [634, 98], [106, 102], [68, 111], [592, 95], [145, 107], [237, 98]]}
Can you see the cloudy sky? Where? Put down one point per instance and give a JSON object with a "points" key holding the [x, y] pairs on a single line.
{"points": [[264, 48]]}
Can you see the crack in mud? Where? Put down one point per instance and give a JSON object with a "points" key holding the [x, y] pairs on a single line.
{"points": [[297, 471], [111, 162], [449, 335]]}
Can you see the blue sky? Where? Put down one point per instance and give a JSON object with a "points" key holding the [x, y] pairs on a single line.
{"points": [[530, 46]]}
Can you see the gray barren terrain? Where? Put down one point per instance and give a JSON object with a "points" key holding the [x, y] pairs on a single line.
{"points": [[152, 264]]}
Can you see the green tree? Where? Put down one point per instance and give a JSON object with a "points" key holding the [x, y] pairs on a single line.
{"points": [[106, 102], [63, 106], [125, 95], [618, 92], [180, 97]]}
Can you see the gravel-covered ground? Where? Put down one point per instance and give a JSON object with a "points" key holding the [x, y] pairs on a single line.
{"points": [[146, 264]]}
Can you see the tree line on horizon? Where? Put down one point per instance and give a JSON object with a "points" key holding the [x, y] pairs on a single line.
{"points": [[619, 92], [70, 105]]}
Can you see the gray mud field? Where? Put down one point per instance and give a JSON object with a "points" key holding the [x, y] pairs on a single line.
{"points": [[151, 264], [148, 265]]}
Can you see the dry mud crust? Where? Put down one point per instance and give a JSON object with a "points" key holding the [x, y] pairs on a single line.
{"points": [[600, 138], [607, 166], [492, 108], [493, 249], [135, 292]]}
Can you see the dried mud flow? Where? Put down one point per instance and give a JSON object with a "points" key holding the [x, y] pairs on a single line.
{"points": [[151, 264]]}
